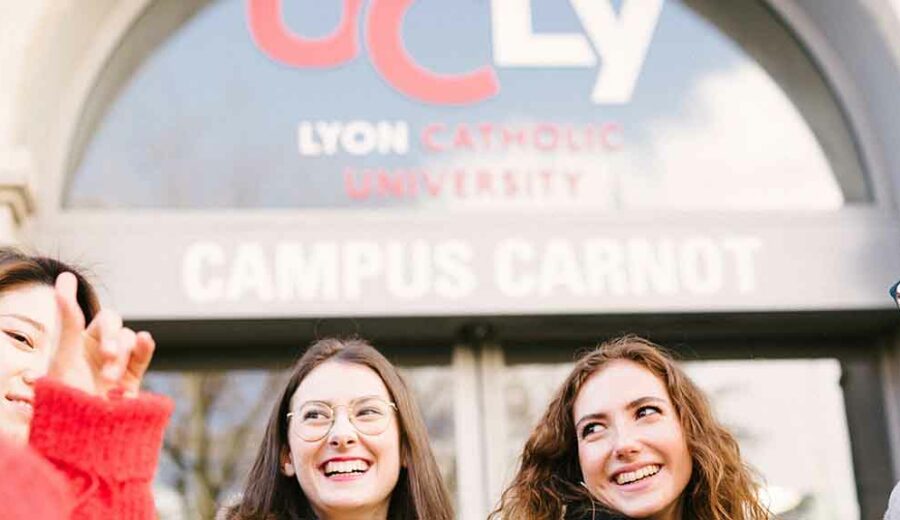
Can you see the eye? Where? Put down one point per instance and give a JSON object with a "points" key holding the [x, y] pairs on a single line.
{"points": [[22, 339], [369, 410], [592, 429], [314, 414], [646, 411]]}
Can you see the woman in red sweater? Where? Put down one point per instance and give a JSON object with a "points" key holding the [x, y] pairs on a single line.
{"points": [[94, 439]]}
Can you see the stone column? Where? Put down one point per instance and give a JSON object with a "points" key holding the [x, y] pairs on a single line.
{"points": [[16, 192]]}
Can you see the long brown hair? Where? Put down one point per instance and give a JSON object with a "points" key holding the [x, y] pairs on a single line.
{"points": [[18, 269], [420, 493], [547, 484]]}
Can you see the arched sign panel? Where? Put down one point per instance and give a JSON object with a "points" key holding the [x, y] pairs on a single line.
{"points": [[508, 106], [471, 157]]}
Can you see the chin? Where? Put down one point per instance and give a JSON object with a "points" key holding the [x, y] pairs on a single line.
{"points": [[643, 510], [339, 504], [638, 513], [14, 431]]}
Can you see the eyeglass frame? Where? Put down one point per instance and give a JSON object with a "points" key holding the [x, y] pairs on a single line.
{"points": [[333, 408]]}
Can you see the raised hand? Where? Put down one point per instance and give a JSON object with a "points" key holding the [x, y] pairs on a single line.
{"points": [[101, 358]]}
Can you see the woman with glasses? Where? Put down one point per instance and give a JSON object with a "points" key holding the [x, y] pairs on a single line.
{"points": [[344, 440], [629, 435]]}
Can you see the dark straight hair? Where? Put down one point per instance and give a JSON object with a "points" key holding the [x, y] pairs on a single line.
{"points": [[18, 269], [420, 493]]}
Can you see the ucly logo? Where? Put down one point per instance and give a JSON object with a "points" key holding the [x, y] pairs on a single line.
{"points": [[619, 38]]}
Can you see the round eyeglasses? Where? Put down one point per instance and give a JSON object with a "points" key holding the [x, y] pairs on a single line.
{"points": [[369, 415]]}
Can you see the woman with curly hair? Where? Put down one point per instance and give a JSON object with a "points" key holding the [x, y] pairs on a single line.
{"points": [[628, 434]]}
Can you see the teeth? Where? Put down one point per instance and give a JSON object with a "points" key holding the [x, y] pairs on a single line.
{"points": [[346, 466], [632, 476]]}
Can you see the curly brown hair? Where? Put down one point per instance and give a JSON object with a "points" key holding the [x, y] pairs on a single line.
{"points": [[547, 484]]}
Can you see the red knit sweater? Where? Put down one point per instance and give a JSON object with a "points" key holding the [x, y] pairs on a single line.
{"points": [[29, 486], [107, 450]]}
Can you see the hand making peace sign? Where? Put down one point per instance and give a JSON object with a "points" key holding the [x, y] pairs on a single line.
{"points": [[101, 358]]}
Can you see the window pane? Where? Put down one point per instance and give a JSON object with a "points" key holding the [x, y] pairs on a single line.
{"points": [[212, 438], [430, 384]]}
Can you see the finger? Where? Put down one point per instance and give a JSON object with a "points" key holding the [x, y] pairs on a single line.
{"points": [[142, 354], [139, 362], [114, 368], [104, 329], [71, 317]]}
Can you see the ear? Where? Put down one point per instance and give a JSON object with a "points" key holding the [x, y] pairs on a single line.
{"points": [[287, 465]]}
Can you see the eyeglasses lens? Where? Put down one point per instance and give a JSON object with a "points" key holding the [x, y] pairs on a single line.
{"points": [[369, 416]]}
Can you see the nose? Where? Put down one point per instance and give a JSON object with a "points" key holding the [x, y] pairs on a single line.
{"points": [[626, 442], [37, 367], [30, 376], [342, 431]]}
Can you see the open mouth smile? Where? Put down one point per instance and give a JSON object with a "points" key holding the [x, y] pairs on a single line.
{"points": [[344, 469], [630, 477]]}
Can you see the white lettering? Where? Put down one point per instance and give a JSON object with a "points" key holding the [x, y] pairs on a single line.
{"points": [[560, 268], [744, 250], [329, 132], [605, 263], [307, 274], [515, 45], [702, 269], [413, 262], [631, 267], [452, 261], [249, 274], [393, 137], [198, 259], [652, 266], [621, 41], [398, 270], [510, 280], [358, 138], [316, 138], [306, 143], [362, 261]]}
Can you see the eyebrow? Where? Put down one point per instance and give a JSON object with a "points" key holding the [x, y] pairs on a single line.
{"points": [[331, 403], [36, 324], [640, 401]]}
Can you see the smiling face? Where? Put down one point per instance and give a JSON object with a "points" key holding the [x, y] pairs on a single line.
{"points": [[29, 330], [346, 473], [631, 446]]}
